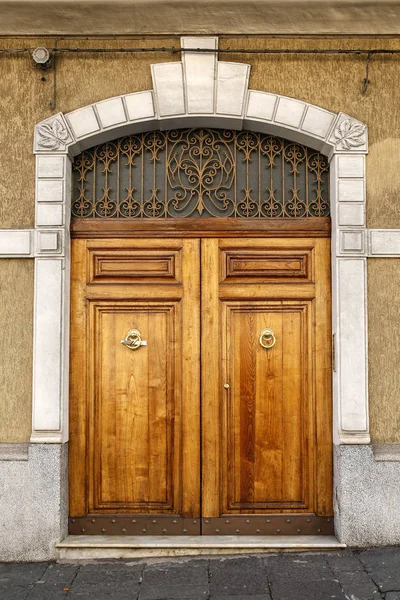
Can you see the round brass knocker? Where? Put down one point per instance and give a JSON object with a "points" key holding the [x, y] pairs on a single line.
{"points": [[133, 339], [267, 338]]}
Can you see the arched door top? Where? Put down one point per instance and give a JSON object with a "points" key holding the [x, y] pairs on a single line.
{"points": [[201, 91]]}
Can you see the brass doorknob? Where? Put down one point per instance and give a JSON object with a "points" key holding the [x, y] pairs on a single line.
{"points": [[133, 340], [267, 338]]}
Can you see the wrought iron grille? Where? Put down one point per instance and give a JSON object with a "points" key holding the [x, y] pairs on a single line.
{"points": [[200, 172]]}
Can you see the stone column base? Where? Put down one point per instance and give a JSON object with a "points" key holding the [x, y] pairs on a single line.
{"points": [[366, 496], [33, 500]]}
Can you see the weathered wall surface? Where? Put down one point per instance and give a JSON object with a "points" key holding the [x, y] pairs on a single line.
{"points": [[333, 82], [16, 311], [384, 349], [291, 17]]}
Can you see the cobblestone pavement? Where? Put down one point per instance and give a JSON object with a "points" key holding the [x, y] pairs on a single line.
{"points": [[350, 575]]}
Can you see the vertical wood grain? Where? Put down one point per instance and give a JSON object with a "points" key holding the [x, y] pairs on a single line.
{"points": [[78, 383], [295, 424], [270, 411], [211, 398], [190, 367], [323, 379]]}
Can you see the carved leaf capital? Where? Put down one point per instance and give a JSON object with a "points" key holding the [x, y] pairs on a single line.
{"points": [[349, 134], [53, 134]]}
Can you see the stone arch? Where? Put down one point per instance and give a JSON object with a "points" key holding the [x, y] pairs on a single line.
{"points": [[200, 91]]}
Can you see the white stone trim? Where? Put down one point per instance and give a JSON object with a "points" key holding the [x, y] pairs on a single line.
{"points": [[351, 351], [200, 90], [199, 72], [15, 243], [106, 547], [30, 243], [384, 242], [51, 354]]}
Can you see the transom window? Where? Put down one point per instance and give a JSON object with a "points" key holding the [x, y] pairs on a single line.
{"points": [[200, 173]]}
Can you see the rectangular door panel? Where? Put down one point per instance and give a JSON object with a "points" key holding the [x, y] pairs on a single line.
{"points": [[136, 409], [267, 264], [134, 265], [267, 430]]}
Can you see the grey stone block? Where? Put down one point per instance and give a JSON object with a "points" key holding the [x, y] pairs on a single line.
{"points": [[173, 592], [105, 587], [60, 574], [238, 576], [383, 566], [358, 586], [47, 593], [175, 580], [302, 576], [252, 597], [95, 573], [272, 560], [344, 562], [21, 573], [34, 504], [392, 596], [104, 591], [367, 497], [54, 583], [300, 568], [193, 573], [307, 590], [14, 593]]}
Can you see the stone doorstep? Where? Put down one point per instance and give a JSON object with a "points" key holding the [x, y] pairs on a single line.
{"points": [[84, 547]]}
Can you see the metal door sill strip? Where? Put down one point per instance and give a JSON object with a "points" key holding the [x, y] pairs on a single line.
{"points": [[100, 546]]}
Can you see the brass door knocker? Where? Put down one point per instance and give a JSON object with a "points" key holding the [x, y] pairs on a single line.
{"points": [[133, 340], [267, 338]]}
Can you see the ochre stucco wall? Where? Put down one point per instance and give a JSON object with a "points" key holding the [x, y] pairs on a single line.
{"points": [[384, 349], [16, 308], [333, 82]]}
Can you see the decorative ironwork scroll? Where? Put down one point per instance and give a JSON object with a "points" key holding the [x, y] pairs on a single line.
{"points": [[200, 172]]}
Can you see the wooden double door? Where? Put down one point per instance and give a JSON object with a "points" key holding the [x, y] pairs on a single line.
{"points": [[214, 414]]}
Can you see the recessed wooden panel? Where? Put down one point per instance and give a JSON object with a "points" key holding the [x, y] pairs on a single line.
{"points": [[134, 266], [135, 411], [268, 265], [266, 432]]}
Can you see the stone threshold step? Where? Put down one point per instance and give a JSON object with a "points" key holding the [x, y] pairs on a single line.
{"points": [[81, 547]]}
